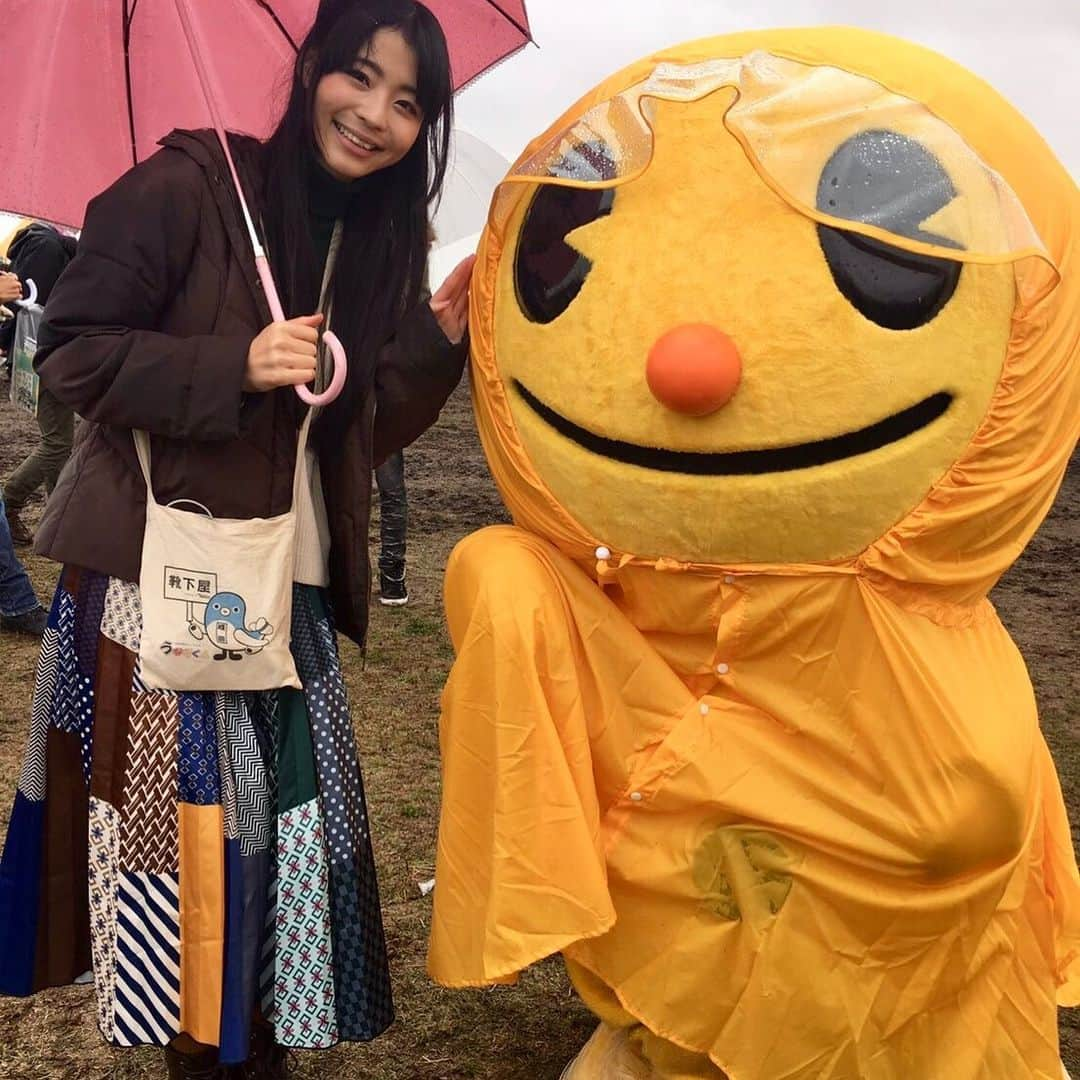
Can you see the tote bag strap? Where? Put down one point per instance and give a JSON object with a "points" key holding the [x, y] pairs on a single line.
{"points": [[142, 451]]}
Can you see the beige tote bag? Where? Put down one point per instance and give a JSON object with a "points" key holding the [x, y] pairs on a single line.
{"points": [[216, 593]]}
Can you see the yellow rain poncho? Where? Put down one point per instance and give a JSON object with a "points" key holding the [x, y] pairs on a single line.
{"points": [[733, 724]]}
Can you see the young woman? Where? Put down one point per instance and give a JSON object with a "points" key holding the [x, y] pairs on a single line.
{"points": [[207, 855]]}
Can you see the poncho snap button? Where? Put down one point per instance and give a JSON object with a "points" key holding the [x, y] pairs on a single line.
{"points": [[603, 553], [636, 796], [722, 669]]}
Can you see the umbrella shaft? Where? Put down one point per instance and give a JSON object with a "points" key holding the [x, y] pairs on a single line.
{"points": [[206, 87]]}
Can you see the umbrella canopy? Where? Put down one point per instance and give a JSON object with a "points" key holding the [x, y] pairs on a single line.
{"points": [[98, 82], [476, 170]]}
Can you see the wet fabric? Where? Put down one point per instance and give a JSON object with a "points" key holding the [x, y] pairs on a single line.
{"points": [[789, 117], [794, 817], [718, 791], [206, 855]]}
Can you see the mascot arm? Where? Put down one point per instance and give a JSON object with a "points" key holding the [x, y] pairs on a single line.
{"points": [[520, 870]]}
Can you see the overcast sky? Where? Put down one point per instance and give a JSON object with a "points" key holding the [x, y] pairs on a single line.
{"points": [[1028, 49]]}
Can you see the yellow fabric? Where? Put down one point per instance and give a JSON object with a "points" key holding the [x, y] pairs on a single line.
{"points": [[202, 921], [980, 512], [792, 811], [899, 814]]}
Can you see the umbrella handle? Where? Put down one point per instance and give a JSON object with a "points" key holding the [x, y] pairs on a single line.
{"points": [[32, 298], [333, 343], [337, 380]]}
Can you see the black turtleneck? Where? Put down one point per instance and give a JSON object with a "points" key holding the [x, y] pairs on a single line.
{"points": [[328, 199]]}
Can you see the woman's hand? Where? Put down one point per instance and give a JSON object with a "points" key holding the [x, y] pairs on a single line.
{"points": [[10, 288], [284, 354], [450, 305]]}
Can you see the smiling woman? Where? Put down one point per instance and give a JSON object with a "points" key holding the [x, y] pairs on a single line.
{"points": [[224, 891], [367, 118]]}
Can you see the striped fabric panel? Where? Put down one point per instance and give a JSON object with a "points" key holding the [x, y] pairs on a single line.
{"points": [[32, 775], [269, 950], [245, 760], [149, 839], [104, 874], [147, 959]]}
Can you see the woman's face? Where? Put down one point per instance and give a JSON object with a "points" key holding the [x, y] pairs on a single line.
{"points": [[368, 118]]}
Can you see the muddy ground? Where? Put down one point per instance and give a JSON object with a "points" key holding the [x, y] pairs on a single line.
{"points": [[530, 1031]]}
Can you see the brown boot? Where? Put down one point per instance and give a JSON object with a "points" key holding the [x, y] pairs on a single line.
{"points": [[268, 1060], [21, 536], [202, 1066]]}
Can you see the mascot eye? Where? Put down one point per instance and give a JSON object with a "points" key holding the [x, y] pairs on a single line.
{"points": [[548, 272], [897, 289], [887, 179]]}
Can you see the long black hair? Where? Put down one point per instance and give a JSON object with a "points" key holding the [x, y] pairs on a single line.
{"points": [[381, 264]]}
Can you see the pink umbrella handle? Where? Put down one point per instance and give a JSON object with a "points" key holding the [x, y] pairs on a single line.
{"points": [[337, 350], [337, 380]]}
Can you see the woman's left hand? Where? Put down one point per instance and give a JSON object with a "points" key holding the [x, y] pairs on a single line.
{"points": [[450, 305]]}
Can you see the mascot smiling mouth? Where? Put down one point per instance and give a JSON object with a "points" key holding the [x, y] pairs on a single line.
{"points": [[749, 462]]}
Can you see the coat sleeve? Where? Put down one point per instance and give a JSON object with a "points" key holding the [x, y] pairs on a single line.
{"points": [[414, 375], [100, 350]]}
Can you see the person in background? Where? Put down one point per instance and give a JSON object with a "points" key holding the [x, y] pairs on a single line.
{"points": [[39, 253], [20, 610], [394, 509], [393, 518]]}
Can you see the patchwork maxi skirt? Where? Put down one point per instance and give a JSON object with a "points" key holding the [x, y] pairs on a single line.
{"points": [[207, 855]]}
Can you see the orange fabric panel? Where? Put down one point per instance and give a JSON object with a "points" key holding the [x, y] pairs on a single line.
{"points": [[202, 921]]}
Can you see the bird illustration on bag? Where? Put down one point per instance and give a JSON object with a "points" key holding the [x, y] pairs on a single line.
{"points": [[225, 625]]}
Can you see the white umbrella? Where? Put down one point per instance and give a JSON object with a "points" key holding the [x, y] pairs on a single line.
{"points": [[475, 170]]}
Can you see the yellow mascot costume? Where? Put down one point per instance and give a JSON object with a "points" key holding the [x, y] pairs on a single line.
{"points": [[775, 343]]}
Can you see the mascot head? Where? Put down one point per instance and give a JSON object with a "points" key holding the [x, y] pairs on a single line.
{"points": [[784, 299]]}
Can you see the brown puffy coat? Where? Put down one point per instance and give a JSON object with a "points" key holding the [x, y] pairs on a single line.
{"points": [[149, 328]]}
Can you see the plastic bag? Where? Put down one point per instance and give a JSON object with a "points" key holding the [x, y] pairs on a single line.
{"points": [[24, 381]]}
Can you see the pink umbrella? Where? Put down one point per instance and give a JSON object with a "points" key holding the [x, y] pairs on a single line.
{"points": [[100, 81]]}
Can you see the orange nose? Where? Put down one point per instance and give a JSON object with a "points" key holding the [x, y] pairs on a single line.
{"points": [[694, 369]]}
